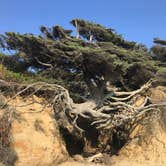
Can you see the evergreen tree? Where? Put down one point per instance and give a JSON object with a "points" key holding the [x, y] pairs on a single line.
{"points": [[82, 67]]}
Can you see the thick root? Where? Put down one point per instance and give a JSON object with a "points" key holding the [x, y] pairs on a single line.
{"points": [[116, 110]]}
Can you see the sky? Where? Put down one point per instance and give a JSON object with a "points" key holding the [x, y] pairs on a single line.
{"points": [[136, 20]]}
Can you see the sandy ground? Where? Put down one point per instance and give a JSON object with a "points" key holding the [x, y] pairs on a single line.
{"points": [[36, 138]]}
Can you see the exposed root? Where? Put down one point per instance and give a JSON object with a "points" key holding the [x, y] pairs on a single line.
{"points": [[117, 96], [94, 157], [117, 108]]}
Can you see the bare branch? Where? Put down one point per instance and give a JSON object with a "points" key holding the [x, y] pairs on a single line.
{"points": [[44, 64]]}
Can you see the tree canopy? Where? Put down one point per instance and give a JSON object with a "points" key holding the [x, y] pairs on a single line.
{"points": [[85, 68], [159, 49]]}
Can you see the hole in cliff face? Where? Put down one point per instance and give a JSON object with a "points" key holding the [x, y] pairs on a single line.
{"points": [[85, 145], [119, 139], [92, 143], [91, 133], [73, 144]]}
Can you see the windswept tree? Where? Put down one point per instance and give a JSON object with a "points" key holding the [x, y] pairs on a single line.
{"points": [[84, 68], [159, 41], [96, 32], [55, 33], [111, 72], [159, 50]]}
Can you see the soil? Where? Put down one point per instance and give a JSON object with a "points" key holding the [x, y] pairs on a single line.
{"points": [[36, 138]]}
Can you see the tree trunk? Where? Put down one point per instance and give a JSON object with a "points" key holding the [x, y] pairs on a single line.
{"points": [[91, 39], [77, 30]]}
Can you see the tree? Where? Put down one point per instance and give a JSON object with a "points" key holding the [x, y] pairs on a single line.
{"points": [[96, 32], [96, 72], [56, 54], [159, 50], [159, 41]]}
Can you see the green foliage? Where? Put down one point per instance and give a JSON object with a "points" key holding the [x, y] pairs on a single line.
{"points": [[159, 41], [54, 33], [12, 76], [100, 33], [82, 67], [138, 74], [161, 76], [14, 63], [159, 53], [159, 50]]}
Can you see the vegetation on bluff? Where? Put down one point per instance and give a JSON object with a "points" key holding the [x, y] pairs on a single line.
{"points": [[84, 64], [97, 64]]}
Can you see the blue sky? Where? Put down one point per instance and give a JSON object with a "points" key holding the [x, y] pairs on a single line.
{"points": [[138, 20]]}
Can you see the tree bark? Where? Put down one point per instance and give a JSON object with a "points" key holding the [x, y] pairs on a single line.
{"points": [[77, 30]]}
